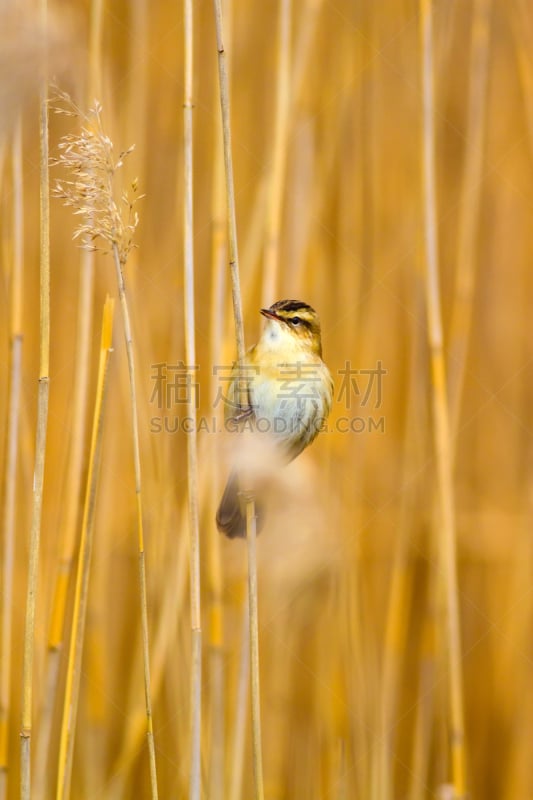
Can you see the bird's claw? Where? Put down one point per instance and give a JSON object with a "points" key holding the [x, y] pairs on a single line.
{"points": [[245, 413]]}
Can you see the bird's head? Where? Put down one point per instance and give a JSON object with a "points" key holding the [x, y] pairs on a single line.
{"points": [[295, 323]]}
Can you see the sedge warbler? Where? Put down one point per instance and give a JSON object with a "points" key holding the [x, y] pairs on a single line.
{"points": [[283, 389]]}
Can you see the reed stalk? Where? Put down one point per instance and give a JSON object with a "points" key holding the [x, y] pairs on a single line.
{"points": [[424, 719], [239, 334], [11, 451], [137, 116], [72, 687], [40, 441], [70, 525], [254, 241], [402, 580], [251, 535], [233, 251], [170, 613], [192, 441], [277, 181], [119, 262], [76, 456], [446, 526], [214, 556], [523, 28], [89, 189], [470, 206], [241, 710]]}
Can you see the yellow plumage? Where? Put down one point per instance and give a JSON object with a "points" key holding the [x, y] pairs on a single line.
{"points": [[282, 389]]}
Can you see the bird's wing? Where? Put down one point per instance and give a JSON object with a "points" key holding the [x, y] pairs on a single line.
{"points": [[238, 406]]}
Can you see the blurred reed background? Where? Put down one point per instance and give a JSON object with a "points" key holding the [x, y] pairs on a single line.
{"points": [[427, 448]]}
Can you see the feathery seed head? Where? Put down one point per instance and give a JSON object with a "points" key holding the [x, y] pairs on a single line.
{"points": [[88, 159]]}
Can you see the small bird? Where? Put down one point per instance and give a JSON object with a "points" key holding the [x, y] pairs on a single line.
{"points": [[281, 388]]}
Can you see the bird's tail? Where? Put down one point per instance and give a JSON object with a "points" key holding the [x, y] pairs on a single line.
{"points": [[231, 515]]}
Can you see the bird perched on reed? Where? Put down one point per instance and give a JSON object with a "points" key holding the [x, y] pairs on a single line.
{"points": [[283, 390]]}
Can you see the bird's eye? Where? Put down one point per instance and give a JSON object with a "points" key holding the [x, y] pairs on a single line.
{"points": [[295, 320]]}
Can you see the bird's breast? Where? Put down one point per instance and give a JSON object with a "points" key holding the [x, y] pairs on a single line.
{"points": [[291, 399]]}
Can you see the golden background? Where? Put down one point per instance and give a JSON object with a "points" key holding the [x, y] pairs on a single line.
{"points": [[328, 150]]}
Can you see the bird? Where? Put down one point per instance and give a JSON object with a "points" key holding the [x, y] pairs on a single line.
{"points": [[282, 388]]}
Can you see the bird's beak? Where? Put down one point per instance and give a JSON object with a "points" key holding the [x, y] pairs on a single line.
{"points": [[266, 312]]}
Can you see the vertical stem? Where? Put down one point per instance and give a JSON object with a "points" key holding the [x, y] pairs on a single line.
{"points": [[169, 612], [214, 556], [402, 579], [73, 488], [40, 444], [70, 526], [239, 330], [279, 157], [192, 444], [142, 563], [241, 710], [11, 449], [251, 535], [70, 700], [423, 726], [95, 51], [522, 33], [470, 203], [137, 93], [230, 190], [441, 420]]}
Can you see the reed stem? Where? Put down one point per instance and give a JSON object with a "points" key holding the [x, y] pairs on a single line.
{"points": [[192, 439], [140, 532], [279, 157], [251, 535], [230, 188], [11, 453], [74, 477], [446, 533], [40, 443], [461, 321], [239, 332], [71, 696]]}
